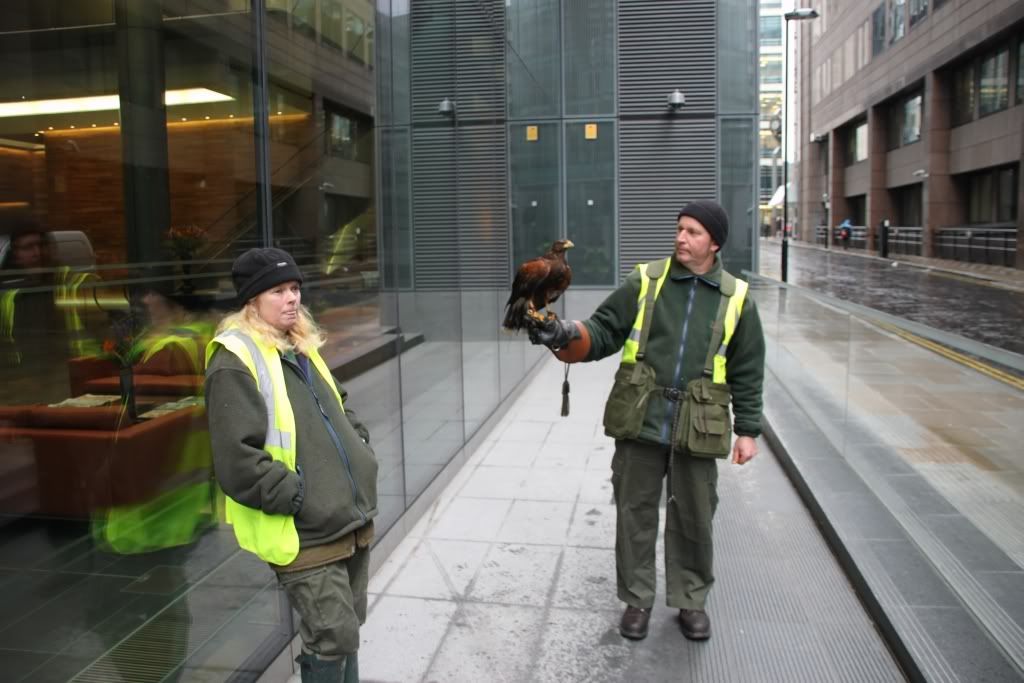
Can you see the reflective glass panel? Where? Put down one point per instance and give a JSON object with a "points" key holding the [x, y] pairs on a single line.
{"points": [[129, 167]]}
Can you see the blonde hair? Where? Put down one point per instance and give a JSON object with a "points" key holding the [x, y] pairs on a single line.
{"points": [[305, 336]]}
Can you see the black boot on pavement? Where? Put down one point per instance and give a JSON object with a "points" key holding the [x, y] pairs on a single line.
{"points": [[695, 624], [634, 622]]}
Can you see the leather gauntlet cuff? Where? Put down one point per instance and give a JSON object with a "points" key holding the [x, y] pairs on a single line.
{"points": [[578, 347]]}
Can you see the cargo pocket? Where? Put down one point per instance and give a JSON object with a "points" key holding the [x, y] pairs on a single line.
{"points": [[626, 407], [709, 420]]}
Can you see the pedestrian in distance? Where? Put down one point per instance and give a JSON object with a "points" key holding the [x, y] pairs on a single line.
{"points": [[692, 344], [294, 461], [845, 229]]}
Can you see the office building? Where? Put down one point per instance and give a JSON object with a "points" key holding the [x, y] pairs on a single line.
{"points": [[912, 115]]}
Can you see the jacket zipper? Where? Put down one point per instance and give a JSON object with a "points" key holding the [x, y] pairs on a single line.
{"points": [[670, 412], [337, 443]]}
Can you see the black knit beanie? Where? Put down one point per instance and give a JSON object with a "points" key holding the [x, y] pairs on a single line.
{"points": [[257, 270], [712, 216]]}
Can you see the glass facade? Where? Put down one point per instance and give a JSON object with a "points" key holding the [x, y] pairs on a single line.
{"points": [[140, 156]]}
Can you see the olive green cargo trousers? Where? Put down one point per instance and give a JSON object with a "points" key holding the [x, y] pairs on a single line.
{"points": [[331, 600], [638, 469]]}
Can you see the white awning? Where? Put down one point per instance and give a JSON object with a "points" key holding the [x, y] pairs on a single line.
{"points": [[776, 199]]}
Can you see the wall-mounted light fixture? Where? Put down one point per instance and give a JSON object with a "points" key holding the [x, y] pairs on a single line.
{"points": [[676, 100], [446, 107], [817, 137]]}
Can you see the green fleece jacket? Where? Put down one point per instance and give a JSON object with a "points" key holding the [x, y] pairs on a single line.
{"points": [[333, 491], [678, 344]]}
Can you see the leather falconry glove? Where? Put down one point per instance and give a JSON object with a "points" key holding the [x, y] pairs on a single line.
{"points": [[555, 334]]}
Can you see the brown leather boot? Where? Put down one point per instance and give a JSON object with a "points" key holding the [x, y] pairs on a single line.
{"points": [[695, 623], [634, 622]]}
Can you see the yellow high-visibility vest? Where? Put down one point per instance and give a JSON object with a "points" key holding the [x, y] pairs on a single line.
{"points": [[730, 286], [186, 502], [272, 537]]}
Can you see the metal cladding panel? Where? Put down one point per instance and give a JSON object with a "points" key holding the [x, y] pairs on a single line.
{"points": [[480, 59], [662, 165], [664, 45], [483, 207], [433, 57], [434, 217]]}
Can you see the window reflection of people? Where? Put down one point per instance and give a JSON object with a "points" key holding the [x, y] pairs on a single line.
{"points": [[173, 345], [32, 328], [293, 460]]}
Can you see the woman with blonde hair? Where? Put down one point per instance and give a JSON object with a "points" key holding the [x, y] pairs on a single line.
{"points": [[296, 465]]}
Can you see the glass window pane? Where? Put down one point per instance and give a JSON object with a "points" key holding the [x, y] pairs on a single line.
{"points": [[1006, 208], [911, 130], [589, 56], [1020, 71], [533, 58], [857, 144], [737, 190], [878, 30], [737, 67], [771, 69], [536, 212], [770, 29], [355, 33], [963, 95], [590, 201], [994, 84], [980, 198], [918, 11], [304, 17], [897, 19], [331, 23], [893, 126]]}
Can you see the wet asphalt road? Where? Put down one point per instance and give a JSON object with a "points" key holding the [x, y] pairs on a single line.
{"points": [[944, 301]]}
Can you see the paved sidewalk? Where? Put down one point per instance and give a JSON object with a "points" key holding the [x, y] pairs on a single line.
{"points": [[511, 575]]}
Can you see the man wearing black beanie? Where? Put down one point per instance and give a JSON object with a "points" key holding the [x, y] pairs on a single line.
{"points": [[692, 348]]}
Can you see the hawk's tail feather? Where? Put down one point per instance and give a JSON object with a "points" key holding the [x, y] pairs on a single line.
{"points": [[515, 315]]}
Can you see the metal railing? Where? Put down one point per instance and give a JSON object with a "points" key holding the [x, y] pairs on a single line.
{"points": [[995, 244], [905, 240]]}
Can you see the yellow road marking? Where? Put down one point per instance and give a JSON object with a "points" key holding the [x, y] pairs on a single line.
{"points": [[984, 368]]}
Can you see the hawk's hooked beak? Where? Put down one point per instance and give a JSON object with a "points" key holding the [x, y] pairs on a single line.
{"points": [[569, 244]]}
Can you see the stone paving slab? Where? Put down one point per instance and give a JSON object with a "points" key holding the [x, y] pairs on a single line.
{"points": [[511, 575]]}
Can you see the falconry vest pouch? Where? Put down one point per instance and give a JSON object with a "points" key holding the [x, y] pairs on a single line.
{"points": [[634, 383]]}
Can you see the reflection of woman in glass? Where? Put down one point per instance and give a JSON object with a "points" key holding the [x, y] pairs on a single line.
{"points": [[296, 465]]}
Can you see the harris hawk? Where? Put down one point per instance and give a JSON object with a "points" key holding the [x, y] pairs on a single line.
{"points": [[538, 283]]}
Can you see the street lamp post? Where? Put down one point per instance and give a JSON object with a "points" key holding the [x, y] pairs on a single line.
{"points": [[798, 14]]}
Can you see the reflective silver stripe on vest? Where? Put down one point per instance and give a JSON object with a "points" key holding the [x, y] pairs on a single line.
{"points": [[634, 335], [275, 437]]}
